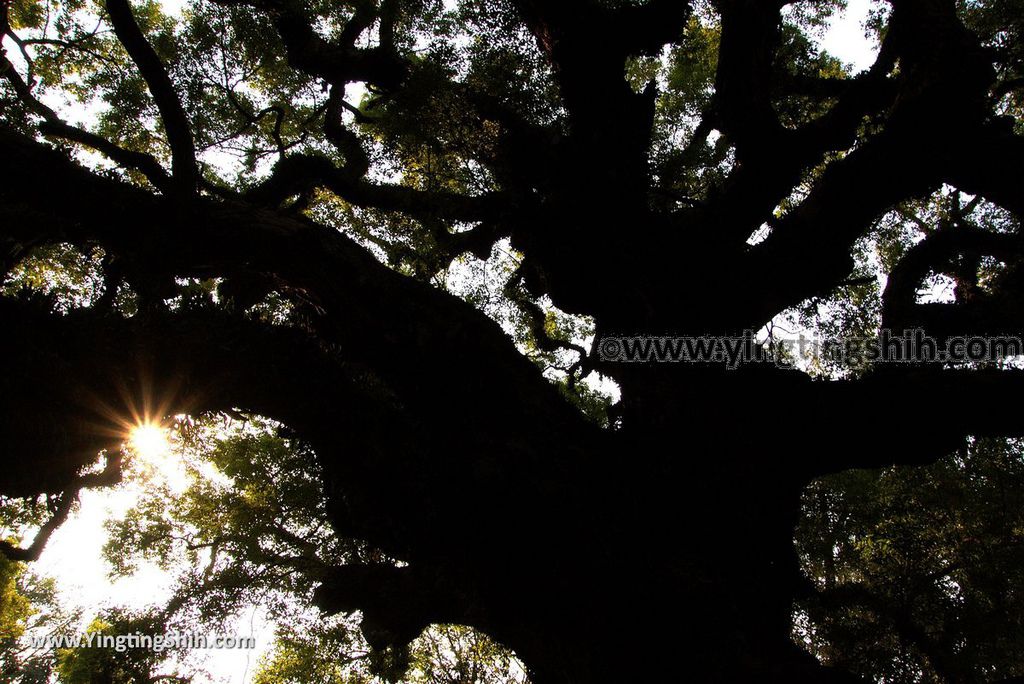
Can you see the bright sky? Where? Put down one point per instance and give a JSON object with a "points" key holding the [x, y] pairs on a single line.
{"points": [[73, 556], [845, 37]]}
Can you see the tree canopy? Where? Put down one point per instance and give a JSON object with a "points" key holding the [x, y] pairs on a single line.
{"points": [[384, 242]]}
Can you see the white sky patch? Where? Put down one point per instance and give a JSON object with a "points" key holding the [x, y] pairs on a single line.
{"points": [[73, 556], [938, 288], [174, 8], [845, 37]]}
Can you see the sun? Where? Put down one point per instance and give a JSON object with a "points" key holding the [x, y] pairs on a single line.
{"points": [[150, 441], [157, 454]]}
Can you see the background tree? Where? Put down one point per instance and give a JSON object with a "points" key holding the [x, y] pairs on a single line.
{"points": [[29, 607], [274, 199], [918, 570], [124, 665]]}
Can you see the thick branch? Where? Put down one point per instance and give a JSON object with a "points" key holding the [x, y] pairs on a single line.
{"points": [[991, 163], [176, 123], [952, 403], [434, 355], [941, 93], [357, 163], [397, 604], [750, 32], [898, 300], [339, 62], [54, 125], [108, 477], [297, 174]]}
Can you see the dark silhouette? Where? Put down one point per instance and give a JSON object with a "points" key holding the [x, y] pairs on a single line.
{"points": [[658, 546]]}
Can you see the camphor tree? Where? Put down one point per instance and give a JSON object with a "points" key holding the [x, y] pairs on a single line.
{"points": [[272, 205]]}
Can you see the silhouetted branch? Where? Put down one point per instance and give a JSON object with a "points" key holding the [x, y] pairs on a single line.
{"points": [[108, 477], [54, 125], [175, 120]]}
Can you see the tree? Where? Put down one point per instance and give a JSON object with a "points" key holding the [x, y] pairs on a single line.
{"points": [[14, 611], [119, 664], [918, 570], [659, 168], [29, 607]]}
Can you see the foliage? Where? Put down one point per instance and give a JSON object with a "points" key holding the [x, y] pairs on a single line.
{"points": [[918, 570], [29, 608], [61, 273], [14, 607], [126, 664]]}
